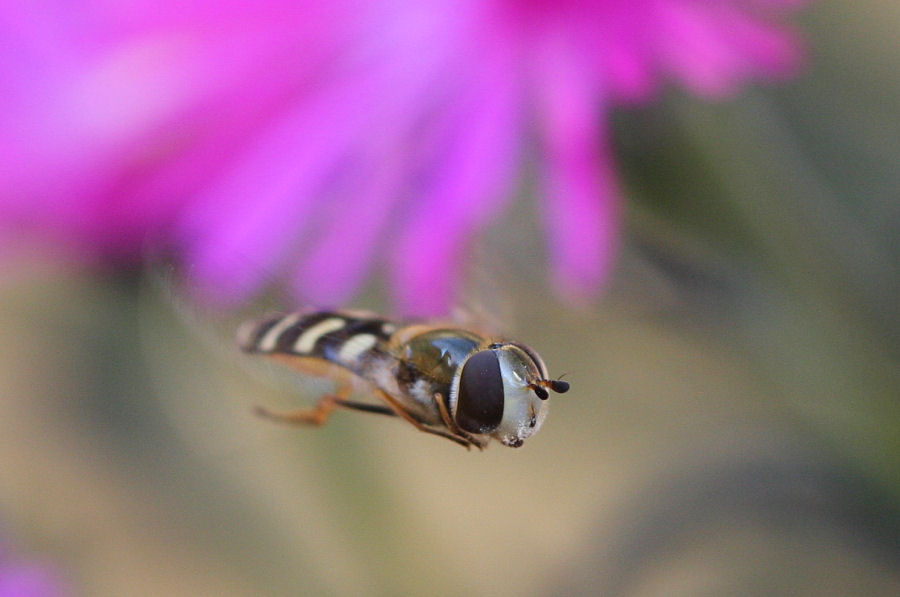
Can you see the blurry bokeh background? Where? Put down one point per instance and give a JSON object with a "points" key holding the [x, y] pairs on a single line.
{"points": [[733, 425]]}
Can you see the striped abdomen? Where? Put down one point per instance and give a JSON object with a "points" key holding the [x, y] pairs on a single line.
{"points": [[353, 342]]}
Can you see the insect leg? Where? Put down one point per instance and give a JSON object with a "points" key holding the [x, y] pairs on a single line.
{"points": [[319, 414], [398, 408], [366, 407]]}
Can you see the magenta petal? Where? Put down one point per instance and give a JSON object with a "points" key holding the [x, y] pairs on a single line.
{"points": [[695, 46], [244, 225], [231, 242], [225, 125], [768, 51], [340, 256], [470, 182], [628, 69], [424, 278], [581, 192], [582, 216], [337, 264], [617, 46], [713, 48]]}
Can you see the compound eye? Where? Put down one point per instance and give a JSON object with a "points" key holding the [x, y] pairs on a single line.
{"points": [[479, 402]]}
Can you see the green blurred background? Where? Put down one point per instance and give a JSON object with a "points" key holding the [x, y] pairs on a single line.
{"points": [[733, 427]]}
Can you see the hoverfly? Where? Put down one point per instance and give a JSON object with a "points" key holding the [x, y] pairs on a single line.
{"points": [[446, 381]]}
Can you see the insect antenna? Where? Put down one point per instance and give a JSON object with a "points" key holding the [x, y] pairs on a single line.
{"points": [[539, 390], [557, 385]]}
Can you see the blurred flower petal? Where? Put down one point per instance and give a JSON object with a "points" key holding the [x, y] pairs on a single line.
{"points": [[234, 241], [581, 207], [468, 184], [306, 137], [333, 269], [730, 41]]}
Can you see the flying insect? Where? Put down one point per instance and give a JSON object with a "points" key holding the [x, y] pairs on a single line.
{"points": [[447, 381]]}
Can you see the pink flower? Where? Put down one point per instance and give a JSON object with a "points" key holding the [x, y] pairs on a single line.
{"points": [[324, 138]]}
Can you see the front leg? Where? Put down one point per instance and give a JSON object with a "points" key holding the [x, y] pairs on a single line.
{"points": [[400, 410]]}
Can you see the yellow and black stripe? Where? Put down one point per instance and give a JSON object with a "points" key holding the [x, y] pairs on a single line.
{"points": [[348, 340]]}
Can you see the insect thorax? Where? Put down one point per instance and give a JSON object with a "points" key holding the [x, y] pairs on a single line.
{"points": [[434, 356]]}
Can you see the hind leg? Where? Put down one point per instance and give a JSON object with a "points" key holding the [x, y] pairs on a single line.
{"points": [[319, 414]]}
